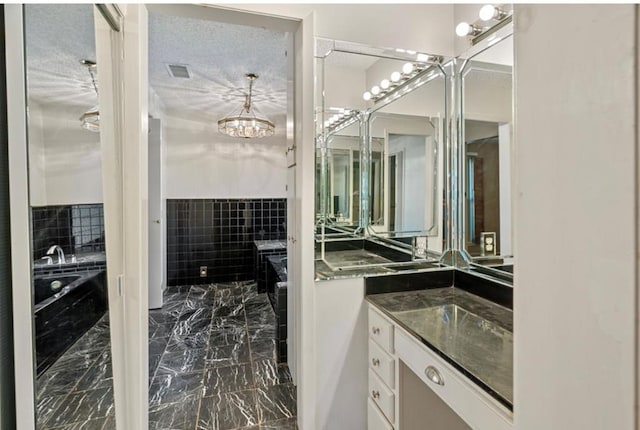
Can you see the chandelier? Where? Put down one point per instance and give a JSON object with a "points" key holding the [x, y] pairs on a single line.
{"points": [[245, 123], [91, 119]]}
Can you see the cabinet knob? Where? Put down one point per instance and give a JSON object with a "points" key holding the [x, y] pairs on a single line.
{"points": [[375, 330], [375, 394], [375, 362], [433, 375]]}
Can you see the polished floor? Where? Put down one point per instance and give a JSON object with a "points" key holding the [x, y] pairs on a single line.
{"points": [[212, 365]]}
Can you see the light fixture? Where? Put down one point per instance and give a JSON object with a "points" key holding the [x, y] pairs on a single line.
{"points": [[395, 76], [384, 84], [466, 29], [91, 119], [245, 123], [489, 12], [375, 90], [366, 96], [407, 68]]}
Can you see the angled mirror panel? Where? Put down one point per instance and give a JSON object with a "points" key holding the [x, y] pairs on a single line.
{"points": [[486, 130], [72, 336]]}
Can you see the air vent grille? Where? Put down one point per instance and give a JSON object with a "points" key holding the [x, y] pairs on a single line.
{"points": [[179, 71]]}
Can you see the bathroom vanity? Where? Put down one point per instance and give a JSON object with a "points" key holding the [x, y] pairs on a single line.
{"points": [[445, 349]]}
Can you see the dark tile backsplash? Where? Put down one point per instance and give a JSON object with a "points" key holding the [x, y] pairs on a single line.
{"points": [[219, 234], [75, 228]]}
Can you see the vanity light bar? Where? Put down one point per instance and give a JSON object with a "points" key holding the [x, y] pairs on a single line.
{"points": [[477, 30], [397, 79], [340, 120]]}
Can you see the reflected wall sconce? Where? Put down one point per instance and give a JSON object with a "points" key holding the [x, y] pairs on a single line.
{"points": [[90, 120], [409, 70], [466, 29]]}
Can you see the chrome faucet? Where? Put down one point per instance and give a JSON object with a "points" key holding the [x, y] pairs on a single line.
{"points": [[61, 259]]}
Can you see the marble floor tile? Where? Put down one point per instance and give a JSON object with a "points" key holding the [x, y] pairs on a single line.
{"points": [[198, 340], [97, 424], [163, 317], [229, 321], [174, 388], [227, 301], [46, 406], [288, 424], [229, 310], [257, 333], [154, 361], [227, 379], [157, 345], [83, 406], [263, 349], [63, 376], [260, 319], [268, 372], [194, 314], [192, 326], [110, 423], [228, 355], [175, 416], [161, 331], [99, 375], [276, 402], [182, 362], [228, 336], [228, 411]]}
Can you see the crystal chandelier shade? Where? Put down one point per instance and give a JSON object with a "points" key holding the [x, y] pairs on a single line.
{"points": [[90, 120], [245, 123]]}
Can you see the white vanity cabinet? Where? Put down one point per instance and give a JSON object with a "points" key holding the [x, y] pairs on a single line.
{"points": [[382, 403], [411, 387]]}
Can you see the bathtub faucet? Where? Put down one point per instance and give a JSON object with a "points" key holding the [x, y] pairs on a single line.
{"points": [[60, 253]]}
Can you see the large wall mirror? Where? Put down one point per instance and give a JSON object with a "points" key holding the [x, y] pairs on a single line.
{"points": [[380, 133], [486, 77], [70, 301]]}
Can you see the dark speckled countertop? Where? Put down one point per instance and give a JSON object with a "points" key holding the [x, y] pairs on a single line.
{"points": [[475, 335]]}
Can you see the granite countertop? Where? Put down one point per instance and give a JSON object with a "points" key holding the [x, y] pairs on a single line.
{"points": [[358, 263], [475, 335], [266, 245]]}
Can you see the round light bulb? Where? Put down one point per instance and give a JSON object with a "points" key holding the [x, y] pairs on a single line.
{"points": [[327, 123], [366, 96], [463, 29], [487, 12], [384, 84], [423, 58], [375, 90], [395, 76], [407, 68]]}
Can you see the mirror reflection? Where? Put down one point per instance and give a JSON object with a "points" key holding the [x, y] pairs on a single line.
{"points": [[487, 105], [72, 339]]}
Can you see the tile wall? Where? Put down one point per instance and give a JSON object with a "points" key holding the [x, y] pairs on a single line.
{"points": [[218, 234], [75, 228]]}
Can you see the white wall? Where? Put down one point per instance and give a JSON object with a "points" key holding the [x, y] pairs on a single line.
{"points": [[65, 160], [341, 350], [202, 164], [575, 219], [415, 214], [420, 27]]}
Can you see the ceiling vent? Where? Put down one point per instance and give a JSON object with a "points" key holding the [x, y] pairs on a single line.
{"points": [[179, 71]]}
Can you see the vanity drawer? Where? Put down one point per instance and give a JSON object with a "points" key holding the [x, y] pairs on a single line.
{"points": [[383, 364], [381, 330], [476, 407], [382, 396], [375, 418]]}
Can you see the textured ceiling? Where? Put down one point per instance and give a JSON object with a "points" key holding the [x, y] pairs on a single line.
{"points": [[218, 56], [57, 38]]}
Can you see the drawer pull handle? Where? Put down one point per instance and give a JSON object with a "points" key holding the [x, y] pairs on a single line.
{"points": [[433, 374], [375, 330], [375, 362], [375, 394]]}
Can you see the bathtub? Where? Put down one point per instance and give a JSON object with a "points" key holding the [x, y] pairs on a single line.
{"points": [[65, 307]]}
